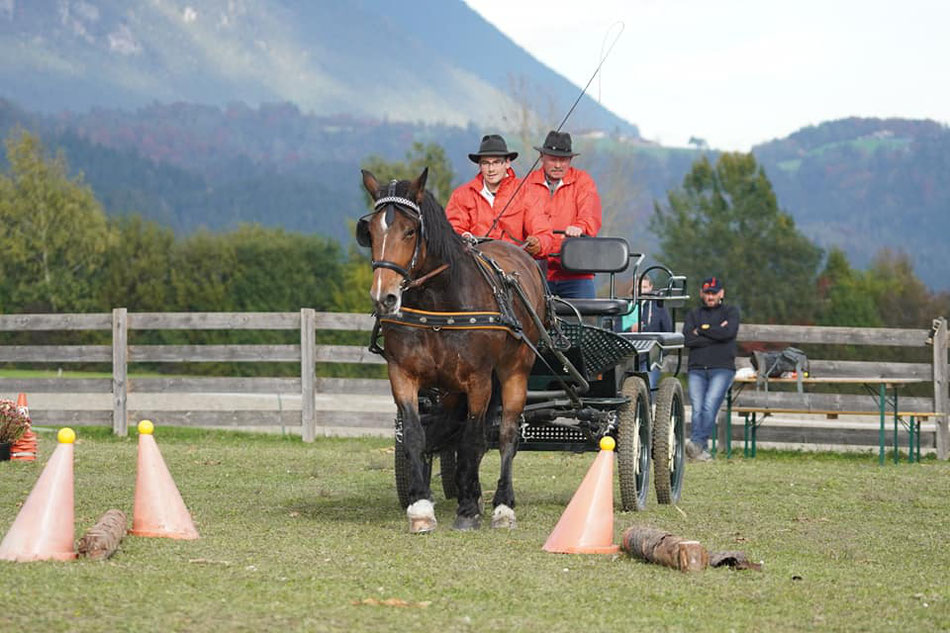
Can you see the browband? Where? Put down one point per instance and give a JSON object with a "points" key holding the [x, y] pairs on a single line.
{"points": [[402, 202]]}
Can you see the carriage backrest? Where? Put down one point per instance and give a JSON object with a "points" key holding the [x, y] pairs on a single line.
{"points": [[595, 254]]}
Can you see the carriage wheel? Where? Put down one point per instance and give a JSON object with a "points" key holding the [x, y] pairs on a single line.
{"points": [[447, 471], [633, 444], [402, 473], [669, 431]]}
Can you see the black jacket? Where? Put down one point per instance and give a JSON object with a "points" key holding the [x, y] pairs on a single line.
{"points": [[712, 345], [654, 317]]}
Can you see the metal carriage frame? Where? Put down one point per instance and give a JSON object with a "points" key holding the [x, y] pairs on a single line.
{"points": [[591, 381]]}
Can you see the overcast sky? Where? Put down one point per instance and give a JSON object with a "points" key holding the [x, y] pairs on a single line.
{"points": [[741, 72]]}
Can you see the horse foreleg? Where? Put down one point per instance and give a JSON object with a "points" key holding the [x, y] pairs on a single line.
{"points": [[471, 449], [421, 511], [513, 393]]}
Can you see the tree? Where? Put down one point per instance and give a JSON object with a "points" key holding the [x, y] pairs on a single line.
{"points": [[54, 235], [725, 221], [281, 271], [419, 156], [902, 299], [135, 270], [845, 298], [353, 294]]}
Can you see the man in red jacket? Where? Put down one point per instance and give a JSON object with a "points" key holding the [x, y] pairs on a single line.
{"points": [[568, 197], [473, 207]]}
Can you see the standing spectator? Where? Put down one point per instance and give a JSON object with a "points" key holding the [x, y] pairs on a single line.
{"points": [[710, 332], [472, 208], [569, 198]]}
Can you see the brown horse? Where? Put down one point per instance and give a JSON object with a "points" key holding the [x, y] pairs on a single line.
{"points": [[422, 267]]}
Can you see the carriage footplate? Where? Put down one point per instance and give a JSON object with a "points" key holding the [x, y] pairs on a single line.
{"points": [[541, 431], [599, 349]]}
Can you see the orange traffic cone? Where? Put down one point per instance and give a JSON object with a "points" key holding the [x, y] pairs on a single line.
{"points": [[587, 525], [159, 509], [24, 449], [44, 528]]}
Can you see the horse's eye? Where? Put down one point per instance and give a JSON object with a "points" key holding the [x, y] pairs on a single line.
{"points": [[410, 233]]}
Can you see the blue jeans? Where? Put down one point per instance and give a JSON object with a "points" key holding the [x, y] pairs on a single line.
{"points": [[707, 390], [573, 288]]}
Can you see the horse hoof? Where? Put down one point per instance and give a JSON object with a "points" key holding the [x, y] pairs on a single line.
{"points": [[503, 517], [467, 524], [421, 517], [421, 526]]}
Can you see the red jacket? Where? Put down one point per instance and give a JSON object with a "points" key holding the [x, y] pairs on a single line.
{"points": [[469, 211], [575, 202]]}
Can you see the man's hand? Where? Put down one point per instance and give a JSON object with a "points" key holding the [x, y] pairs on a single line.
{"points": [[532, 245], [573, 231]]}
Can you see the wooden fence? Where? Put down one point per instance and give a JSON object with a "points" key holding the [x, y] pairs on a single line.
{"points": [[351, 405]]}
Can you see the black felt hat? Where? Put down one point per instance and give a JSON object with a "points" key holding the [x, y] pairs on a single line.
{"points": [[492, 145], [557, 144]]}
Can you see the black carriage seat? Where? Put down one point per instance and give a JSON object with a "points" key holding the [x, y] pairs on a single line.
{"points": [[592, 307]]}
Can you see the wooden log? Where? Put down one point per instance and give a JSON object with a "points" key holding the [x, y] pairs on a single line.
{"points": [[102, 540], [663, 548]]}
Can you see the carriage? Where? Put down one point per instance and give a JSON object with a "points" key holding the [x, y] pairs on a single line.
{"points": [[593, 382], [480, 354]]}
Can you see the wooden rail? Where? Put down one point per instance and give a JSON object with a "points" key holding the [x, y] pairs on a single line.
{"points": [[307, 401]]}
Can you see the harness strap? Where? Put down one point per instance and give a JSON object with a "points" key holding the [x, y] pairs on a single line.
{"points": [[415, 283], [481, 320], [494, 273]]}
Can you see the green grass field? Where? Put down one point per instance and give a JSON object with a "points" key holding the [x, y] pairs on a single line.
{"points": [[308, 537]]}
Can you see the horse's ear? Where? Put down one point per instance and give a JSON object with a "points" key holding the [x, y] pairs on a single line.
{"points": [[417, 188], [369, 181]]}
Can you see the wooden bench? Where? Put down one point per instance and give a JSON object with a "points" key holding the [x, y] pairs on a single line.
{"points": [[912, 423]]}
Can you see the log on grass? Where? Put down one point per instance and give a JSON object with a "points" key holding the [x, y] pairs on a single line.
{"points": [[102, 540], [663, 548]]}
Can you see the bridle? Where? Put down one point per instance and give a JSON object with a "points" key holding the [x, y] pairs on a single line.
{"points": [[392, 203]]}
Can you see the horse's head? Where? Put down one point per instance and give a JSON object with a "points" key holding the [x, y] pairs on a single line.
{"points": [[395, 231]]}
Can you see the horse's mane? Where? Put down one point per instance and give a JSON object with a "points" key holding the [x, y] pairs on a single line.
{"points": [[443, 244]]}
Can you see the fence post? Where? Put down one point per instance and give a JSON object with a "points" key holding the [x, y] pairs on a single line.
{"points": [[940, 388], [120, 357], [308, 321]]}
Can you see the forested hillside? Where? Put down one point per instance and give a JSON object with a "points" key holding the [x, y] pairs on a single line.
{"points": [[859, 184], [863, 184]]}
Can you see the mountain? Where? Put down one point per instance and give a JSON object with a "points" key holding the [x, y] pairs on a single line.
{"points": [[429, 61], [867, 184]]}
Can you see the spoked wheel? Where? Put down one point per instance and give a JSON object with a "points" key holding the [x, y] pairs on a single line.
{"points": [[669, 441], [633, 444], [447, 471], [401, 464]]}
